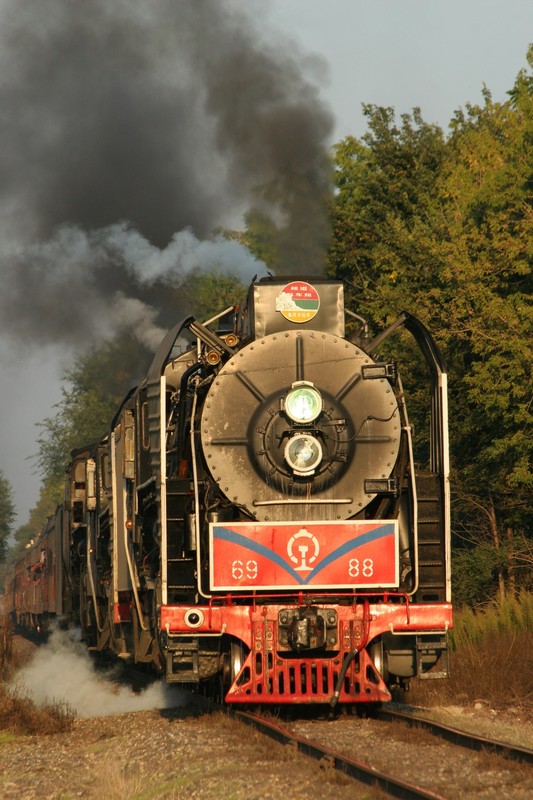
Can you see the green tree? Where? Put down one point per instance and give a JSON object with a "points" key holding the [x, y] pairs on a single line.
{"points": [[381, 245], [205, 294], [443, 228], [7, 514], [385, 195], [488, 255], [93, 388], [44, 508]]}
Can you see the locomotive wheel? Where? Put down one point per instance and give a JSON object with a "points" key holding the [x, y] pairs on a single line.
{"points": [[232, 662], [378, 655]]}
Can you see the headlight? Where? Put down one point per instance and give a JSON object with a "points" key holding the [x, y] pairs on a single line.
{"points": [[303, 454], [303, 403]]}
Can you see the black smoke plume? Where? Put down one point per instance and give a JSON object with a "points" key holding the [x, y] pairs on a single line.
{"points": [[129, 131]]}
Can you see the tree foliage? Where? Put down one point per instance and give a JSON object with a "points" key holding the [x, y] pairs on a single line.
{"points": [[205, 294], [93, 388], [443, 227], [7, 514], [384, 199]]}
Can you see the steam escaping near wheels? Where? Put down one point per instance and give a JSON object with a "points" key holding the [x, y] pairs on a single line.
{"points": [[62, 672]]}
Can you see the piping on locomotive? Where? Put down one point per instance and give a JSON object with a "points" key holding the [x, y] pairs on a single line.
{"points": [[254, 522]]}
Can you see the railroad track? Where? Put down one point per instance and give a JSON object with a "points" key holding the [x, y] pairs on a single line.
{"points": [[365, 773], [459, 737], [349, 766]]}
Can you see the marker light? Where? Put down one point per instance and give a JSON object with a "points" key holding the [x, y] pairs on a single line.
{"points": [[303, 453], [303, 403]]}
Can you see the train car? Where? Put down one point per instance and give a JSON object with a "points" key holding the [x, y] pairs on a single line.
{"points": [[254, 522], [34, 580]]}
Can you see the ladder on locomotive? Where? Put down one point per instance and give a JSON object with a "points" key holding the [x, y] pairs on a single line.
{"points": [[431, 545], [180, 565]]}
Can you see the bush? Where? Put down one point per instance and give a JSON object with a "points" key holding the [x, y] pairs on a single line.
{"points": [[19, 714]]}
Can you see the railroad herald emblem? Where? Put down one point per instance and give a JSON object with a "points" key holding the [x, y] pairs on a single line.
{"points": [[298, 302], [303, 549]]}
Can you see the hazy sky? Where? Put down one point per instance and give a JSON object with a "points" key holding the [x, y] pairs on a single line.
{"points": [[402, 53], [435, 54]]}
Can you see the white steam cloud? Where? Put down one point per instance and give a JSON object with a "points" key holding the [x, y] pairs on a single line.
{"points": [[62, 672], [101, 279], [184, 254]]}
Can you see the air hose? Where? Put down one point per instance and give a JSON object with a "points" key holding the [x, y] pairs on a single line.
{"points": [[334, 699]]}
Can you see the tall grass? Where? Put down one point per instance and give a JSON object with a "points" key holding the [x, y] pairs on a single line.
{"points": [[20, 715], [509, 616], [491, 657]]}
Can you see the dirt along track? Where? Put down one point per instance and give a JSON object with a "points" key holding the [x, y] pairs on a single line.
{"points": [[186, 751], [418, 756], [180, 752], [392, 757]]}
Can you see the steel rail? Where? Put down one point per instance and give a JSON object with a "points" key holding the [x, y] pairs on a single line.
{"points": [[363, 773], [457, 736]]}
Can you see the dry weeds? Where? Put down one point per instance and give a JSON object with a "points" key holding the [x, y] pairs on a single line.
{"points": [[19, 714]]}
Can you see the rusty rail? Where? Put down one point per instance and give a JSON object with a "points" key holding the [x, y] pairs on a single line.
{"points": [[457, 736], [362, 773]]}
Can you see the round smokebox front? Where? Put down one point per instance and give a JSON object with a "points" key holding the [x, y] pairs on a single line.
{"points": [[291, 429]]}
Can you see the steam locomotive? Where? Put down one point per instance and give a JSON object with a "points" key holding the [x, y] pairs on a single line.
{"points": [[254, 522]]}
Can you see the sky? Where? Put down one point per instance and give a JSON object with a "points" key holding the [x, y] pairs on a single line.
{"points": [[305, 68], [434, 54]]}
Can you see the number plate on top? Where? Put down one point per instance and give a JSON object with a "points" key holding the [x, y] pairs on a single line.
{"points": [[297, 555]]}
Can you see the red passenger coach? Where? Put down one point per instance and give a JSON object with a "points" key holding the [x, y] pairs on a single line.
{"points": [[34, 586]]}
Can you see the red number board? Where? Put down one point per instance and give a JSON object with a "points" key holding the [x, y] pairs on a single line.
{"points": [[296, 555]]}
